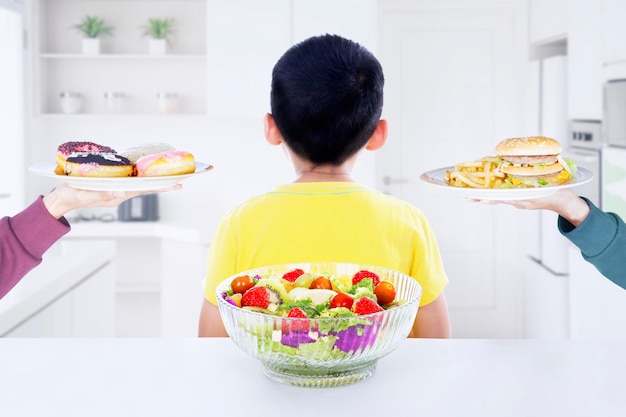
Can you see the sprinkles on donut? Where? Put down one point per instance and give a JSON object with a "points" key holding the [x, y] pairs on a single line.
{"points": [[89, 159], [68, 148]]}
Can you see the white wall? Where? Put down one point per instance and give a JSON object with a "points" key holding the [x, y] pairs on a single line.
{"points": [[11, 103]]}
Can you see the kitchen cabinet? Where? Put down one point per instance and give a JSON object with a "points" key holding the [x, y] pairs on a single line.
{"points": [[584, 58], [545, 302], [124, 67], [86, 310], [71, 294], [590, 33], [183, 268], [597, 305], [596, 53], [548, 20], [158, 282], [55, 320], [612, 30]]}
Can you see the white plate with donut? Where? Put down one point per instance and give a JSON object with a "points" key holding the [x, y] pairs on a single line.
{"points": [[46, 169]]}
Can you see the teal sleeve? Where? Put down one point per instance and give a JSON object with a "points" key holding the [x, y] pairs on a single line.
{"points": [[601, 238]]}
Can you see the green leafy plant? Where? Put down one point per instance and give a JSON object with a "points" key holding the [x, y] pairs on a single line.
{"points": [[159, 28], [93, 27]]}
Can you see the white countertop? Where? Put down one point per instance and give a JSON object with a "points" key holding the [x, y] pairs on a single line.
{"points": [[64, 265], [212, 377], [156, 229]]}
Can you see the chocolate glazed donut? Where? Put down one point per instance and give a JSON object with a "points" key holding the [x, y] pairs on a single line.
{"points": [[86, 164]]}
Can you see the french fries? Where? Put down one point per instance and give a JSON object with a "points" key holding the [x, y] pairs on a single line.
{"points": [[482, 173]]}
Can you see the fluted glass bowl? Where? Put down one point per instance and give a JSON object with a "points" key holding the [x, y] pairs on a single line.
{"points": [[321, 352]]}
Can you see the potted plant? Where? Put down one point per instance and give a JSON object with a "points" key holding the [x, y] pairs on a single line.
{"points": [[159, 32], [92, 27]]}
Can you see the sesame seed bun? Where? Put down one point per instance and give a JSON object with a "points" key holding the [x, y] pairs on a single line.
{"points": [[528, 146]]}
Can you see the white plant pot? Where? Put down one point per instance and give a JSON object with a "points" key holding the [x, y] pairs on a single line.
{"points": [[157, 46], [91, 46]]}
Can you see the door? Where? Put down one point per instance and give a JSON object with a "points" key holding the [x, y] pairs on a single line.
{"points": [[11, 105], [453, 87]]}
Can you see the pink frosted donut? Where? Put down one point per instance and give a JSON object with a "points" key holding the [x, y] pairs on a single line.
{"points": [[165, 163]]}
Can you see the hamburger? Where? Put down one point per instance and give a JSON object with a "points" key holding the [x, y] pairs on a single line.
{"points": [[534, 161]]}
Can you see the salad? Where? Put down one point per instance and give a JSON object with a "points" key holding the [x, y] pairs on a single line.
{"points": [[317, 310]]}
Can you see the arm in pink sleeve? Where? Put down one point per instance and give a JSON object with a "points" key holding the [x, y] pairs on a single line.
{"points": [[23, 240]]}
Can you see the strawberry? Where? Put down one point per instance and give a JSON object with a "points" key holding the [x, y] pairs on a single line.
{"points": [[297, 312], [365, 305], [291, 276], [365, 274], [298, 325], [256, 297]]}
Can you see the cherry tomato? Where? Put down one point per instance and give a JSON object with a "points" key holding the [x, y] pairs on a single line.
{"points": [[322, 283], [341, 300], [385, 292], [242, 284]]}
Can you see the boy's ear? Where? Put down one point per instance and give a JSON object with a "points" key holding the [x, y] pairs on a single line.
{"points": [[272, 134], [379, 137]]}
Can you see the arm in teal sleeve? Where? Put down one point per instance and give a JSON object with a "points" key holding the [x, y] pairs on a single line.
{"points": [[601, 238]]}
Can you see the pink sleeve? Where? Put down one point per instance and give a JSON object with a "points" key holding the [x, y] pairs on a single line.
{"points": [[23, 240]]}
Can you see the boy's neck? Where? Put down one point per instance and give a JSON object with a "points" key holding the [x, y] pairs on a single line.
{"points": [[334, 174]]}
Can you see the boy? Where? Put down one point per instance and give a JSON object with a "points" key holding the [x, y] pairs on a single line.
{"points": [[326, 103]]}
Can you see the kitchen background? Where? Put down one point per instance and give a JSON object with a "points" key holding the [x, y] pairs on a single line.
{"points": [[460, 77]]}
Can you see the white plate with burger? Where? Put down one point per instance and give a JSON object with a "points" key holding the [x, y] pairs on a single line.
{"points": [[523, 168], [437, 177], [47, 169]]}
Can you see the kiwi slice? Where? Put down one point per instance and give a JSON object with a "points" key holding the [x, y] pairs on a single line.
{"points": [[278, 294]]}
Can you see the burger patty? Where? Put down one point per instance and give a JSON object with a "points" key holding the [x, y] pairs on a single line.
{"points": [[530, 160]]}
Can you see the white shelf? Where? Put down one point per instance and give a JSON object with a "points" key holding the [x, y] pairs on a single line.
{"points": [[83, 116], [124, 56], [124, 64]]}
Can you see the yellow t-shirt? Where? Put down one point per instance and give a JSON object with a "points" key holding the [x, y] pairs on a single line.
{"points": [[326, 222]]}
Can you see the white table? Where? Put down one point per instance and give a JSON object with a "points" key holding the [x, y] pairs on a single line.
{"points": [[212, 377]]}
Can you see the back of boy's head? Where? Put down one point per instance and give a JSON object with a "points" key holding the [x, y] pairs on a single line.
{"points": [[327, 98]]}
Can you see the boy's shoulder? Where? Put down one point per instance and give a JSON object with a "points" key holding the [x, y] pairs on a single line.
{"points": [[356, 191]]}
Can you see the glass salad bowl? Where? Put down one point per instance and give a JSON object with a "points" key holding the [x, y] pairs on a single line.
{"points": [[330, 348]]}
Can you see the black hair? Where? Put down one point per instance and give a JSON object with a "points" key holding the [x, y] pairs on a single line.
{"points": [[327, 98]]}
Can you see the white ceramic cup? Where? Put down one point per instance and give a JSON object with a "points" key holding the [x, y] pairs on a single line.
{"points": [[71, 102], [167, 102], [114, 101]]}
